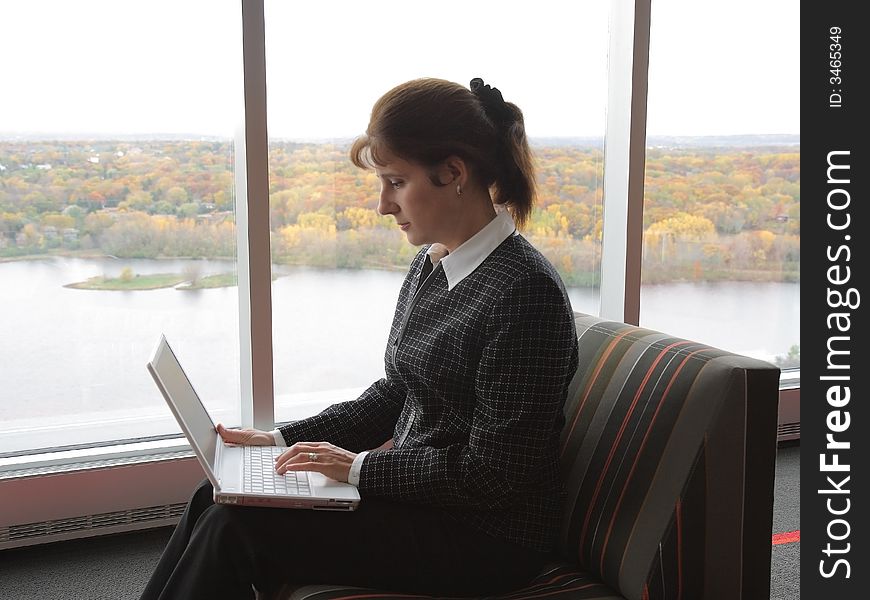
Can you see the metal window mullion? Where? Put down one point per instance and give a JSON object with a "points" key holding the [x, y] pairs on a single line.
{"points": [[625, 155], [252, 226]]}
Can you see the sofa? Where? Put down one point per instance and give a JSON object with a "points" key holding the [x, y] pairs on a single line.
{"points": [[668, 457]]}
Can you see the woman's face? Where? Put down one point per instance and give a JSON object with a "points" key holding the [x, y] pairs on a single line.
{"points": [[424, 211]]}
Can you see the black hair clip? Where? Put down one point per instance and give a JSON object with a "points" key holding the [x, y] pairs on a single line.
{"points": [[493, 102]]}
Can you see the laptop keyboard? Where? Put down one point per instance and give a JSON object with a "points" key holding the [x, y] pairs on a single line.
{"points": [[261, 477]]}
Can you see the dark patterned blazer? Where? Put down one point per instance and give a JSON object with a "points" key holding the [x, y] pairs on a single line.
{"points": [[476, 379]]}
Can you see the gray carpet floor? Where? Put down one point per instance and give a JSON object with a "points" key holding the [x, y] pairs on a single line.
{"points": [[117, 567], [785, 582]]}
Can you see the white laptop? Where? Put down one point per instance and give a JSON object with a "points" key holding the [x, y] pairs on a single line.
{"points": [[242, 475]]}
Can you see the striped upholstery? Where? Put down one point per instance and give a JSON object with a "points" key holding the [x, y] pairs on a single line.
{"points": [[667, 457]]}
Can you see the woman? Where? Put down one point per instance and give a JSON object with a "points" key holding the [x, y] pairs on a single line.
{"points": [[481, 350]]}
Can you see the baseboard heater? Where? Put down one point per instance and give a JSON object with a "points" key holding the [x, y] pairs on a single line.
{"points": [[788, 431], [29, 534], [789, 418]]}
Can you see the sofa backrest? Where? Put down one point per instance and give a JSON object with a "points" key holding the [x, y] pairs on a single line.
{"points": [[667, 456]]}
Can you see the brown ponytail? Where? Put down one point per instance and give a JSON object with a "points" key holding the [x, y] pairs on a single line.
{"points": [[516, 184], [427, 120]]}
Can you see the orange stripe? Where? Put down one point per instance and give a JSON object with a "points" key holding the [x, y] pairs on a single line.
{"points": [[601, 362], [376, 595], [639, 452], [519, 594], [616, 442], [561, 591], [786, 538], [539, 586]]}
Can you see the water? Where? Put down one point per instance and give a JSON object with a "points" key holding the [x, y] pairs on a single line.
{"points": [[72, 362]]}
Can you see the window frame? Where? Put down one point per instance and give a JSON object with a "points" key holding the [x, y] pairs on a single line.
{"points": [[254, 243], [624, 161]]}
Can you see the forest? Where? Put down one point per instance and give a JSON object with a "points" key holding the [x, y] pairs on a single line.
{"points": [[710, 213]]}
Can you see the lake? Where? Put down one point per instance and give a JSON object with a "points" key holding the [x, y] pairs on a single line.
{"points": [[72, 361]]}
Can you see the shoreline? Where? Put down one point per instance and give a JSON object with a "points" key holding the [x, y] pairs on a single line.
{"points": [[96, 256], [724, 275]]}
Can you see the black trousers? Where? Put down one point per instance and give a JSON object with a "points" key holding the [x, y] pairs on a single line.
{"points": [[220, 551]]}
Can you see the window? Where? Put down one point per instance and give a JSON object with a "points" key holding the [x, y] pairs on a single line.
{"points": [[338, 265], [117, 163], [722, 187], [116, 177]]}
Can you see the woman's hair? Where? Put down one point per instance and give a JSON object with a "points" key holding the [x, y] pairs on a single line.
{"points": [[427, 120]]}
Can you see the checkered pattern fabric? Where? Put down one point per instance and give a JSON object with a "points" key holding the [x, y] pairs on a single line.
{"points": [[476, 379]]}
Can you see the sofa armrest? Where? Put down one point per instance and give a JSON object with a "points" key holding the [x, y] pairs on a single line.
{"points": [[663, 432]]}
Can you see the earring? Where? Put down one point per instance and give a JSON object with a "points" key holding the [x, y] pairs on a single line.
{"points": [[458, 189]]}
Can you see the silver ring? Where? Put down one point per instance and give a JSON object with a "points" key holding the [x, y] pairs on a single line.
{"points": [[312, 456]]}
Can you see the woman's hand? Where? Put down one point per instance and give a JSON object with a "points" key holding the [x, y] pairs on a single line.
{"points": [[245, 437], [322, 457]]}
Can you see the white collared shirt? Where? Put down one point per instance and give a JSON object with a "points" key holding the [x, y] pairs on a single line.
{"points": [[462, 262]]}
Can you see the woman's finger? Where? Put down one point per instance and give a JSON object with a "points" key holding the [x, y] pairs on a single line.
{"points": [[298, 453], [334, 463], [245, 436], [233, 436], [295, 450]]}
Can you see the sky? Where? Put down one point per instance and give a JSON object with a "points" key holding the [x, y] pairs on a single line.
{"points": [[174, 66]]}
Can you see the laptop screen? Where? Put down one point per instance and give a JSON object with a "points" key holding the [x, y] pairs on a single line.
{"points": [[184, 402]]}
